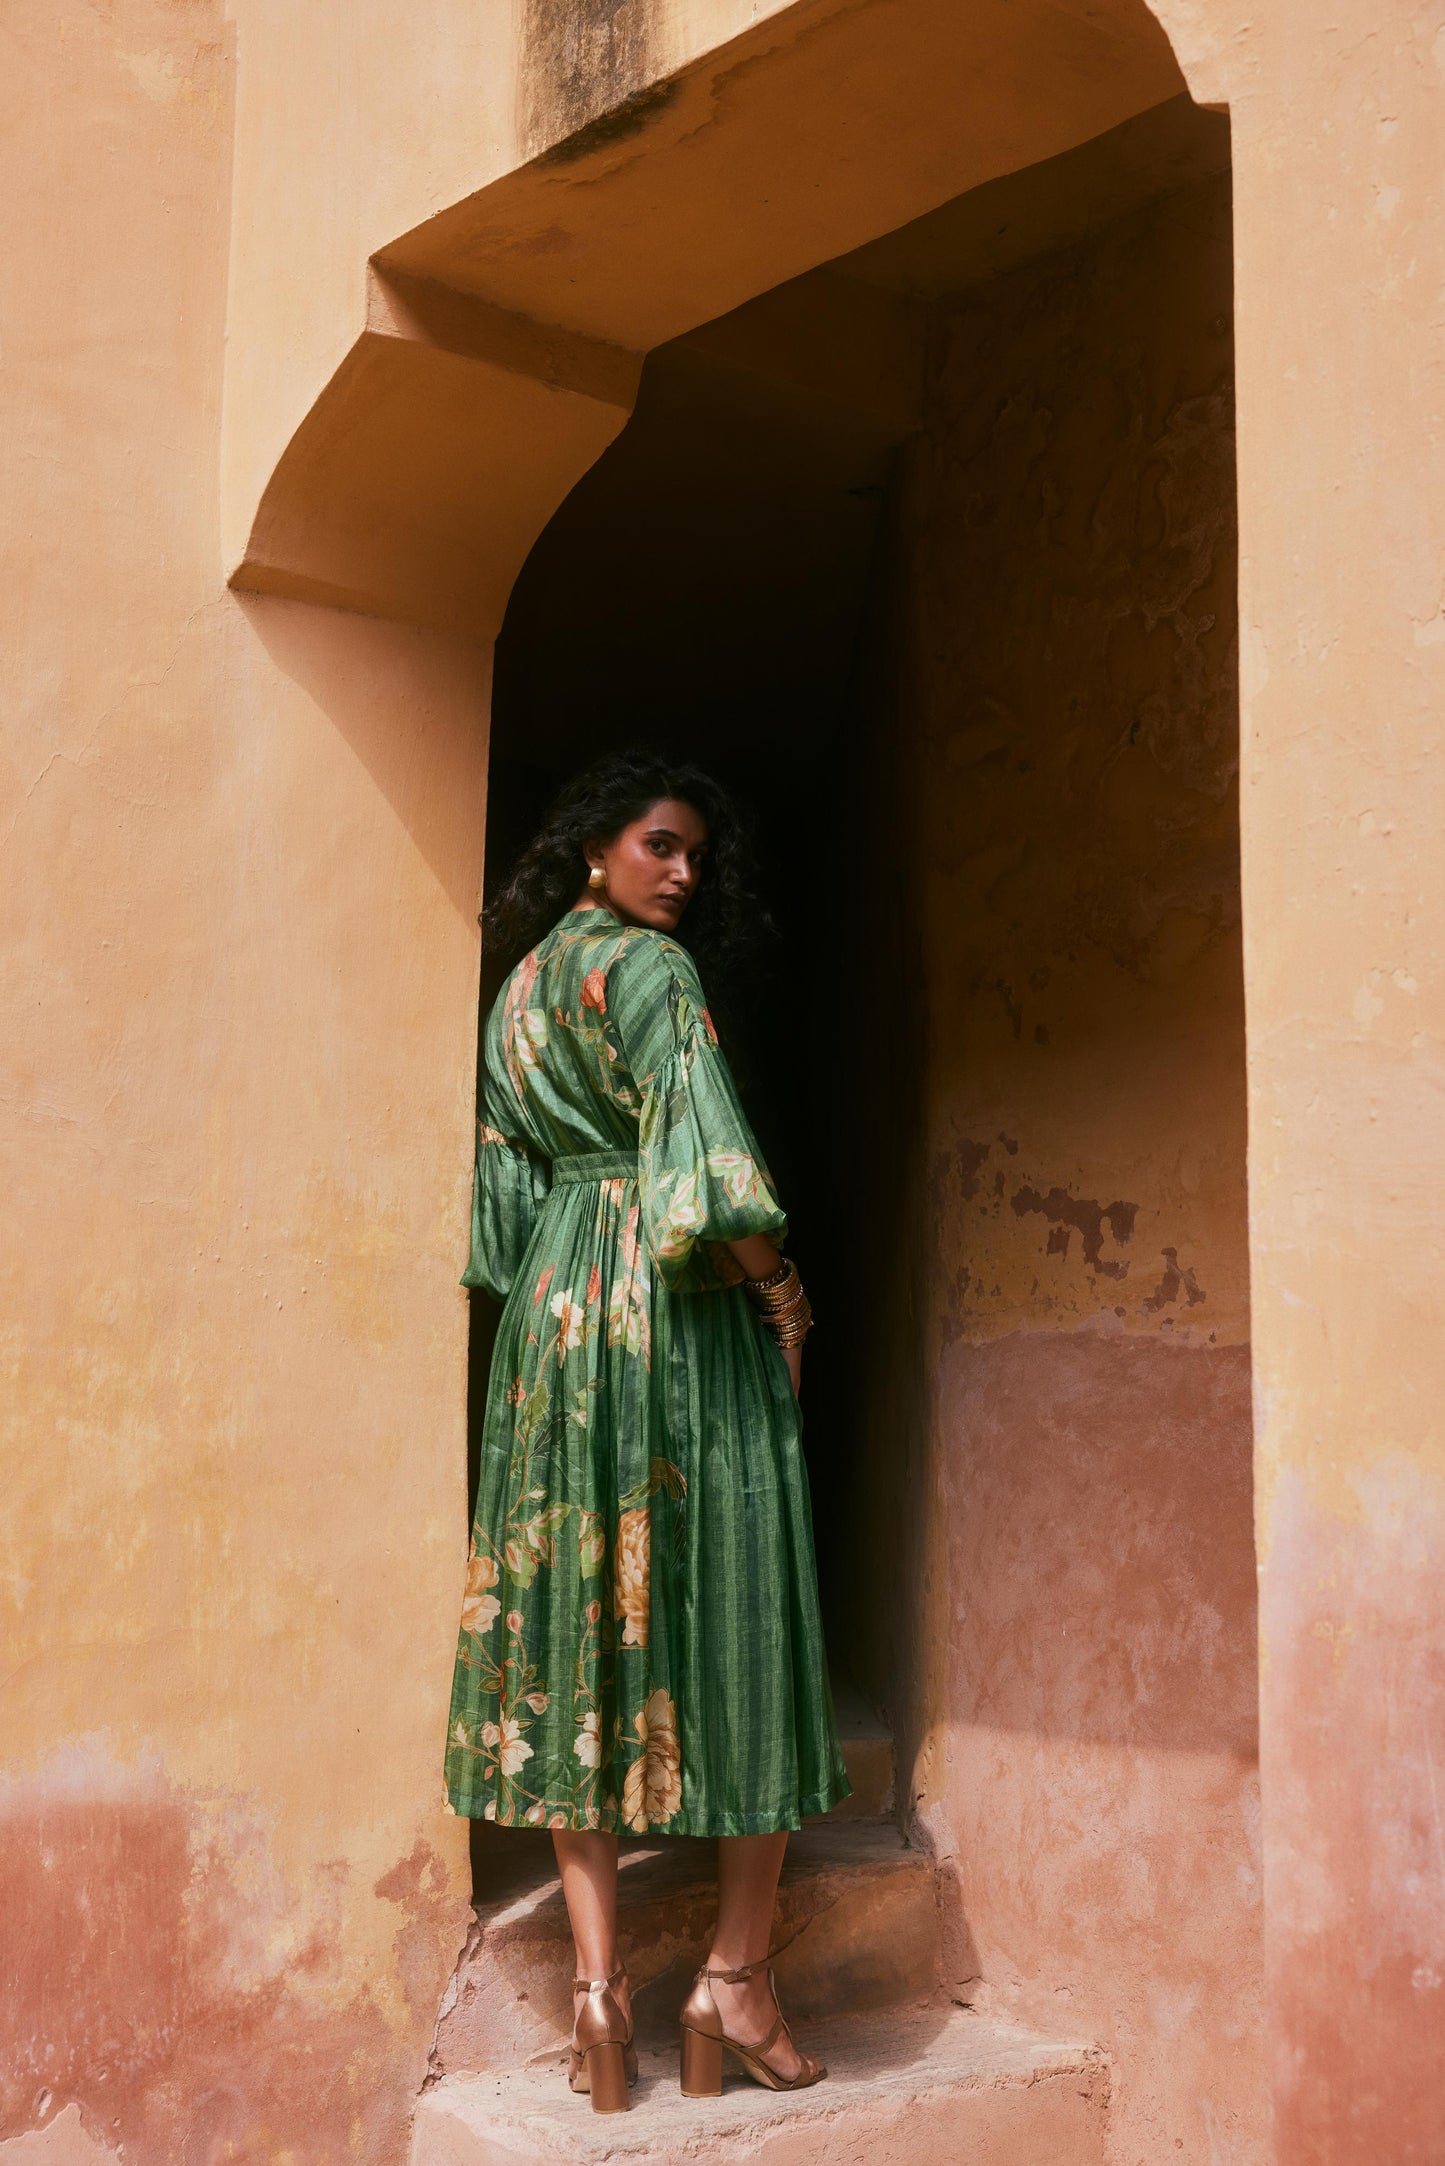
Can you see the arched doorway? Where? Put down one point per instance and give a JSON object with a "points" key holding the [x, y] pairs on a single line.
{"points": [[930, 550], [1028, 1506]]}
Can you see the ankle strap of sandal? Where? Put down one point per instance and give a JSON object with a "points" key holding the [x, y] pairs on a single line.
{"points": [[596, 1985], [737, 1977]]}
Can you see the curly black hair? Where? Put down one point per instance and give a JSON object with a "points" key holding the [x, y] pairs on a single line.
{"points": [[723, 922]]}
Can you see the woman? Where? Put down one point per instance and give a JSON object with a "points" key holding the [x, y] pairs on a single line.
{"points": [[640, 1643]]}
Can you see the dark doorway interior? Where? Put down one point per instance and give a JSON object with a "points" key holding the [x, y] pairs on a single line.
{"points": [[704, 588]]}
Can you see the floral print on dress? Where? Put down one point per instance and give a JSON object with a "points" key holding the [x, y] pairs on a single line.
{"points": [[632, 1575], [652, 1792], [585, 1587], [480, 1607]]}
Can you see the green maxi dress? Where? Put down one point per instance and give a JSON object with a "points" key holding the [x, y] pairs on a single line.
{"points": [[640, 1644]]}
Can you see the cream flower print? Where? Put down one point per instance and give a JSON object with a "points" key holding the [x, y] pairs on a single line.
{"points": [[572, 1319], [683, 1219], [632, 1575], [588, 1747], [529, 1035], [525, 1029], [479, 1608], [652, 1794], [737, 1172], [505, 1739]]}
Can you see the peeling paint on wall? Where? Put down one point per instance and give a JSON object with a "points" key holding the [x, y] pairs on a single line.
{"points": [[1071, 578], [1062, 1420], [163, 1983]]}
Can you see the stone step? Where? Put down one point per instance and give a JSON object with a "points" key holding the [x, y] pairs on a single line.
{"points": [[867, 1755], [917, 2086], [857, 1927]]}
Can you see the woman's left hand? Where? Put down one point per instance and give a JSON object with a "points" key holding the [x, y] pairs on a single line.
{"points": [[793, 1355]]}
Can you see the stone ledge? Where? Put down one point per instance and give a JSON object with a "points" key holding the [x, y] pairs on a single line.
{"points": [[915, 2086], [857, 1926]]}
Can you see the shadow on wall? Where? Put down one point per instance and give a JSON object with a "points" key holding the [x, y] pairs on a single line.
{"points": [[1052, 1554], [412, 705], [1100, 1494]]}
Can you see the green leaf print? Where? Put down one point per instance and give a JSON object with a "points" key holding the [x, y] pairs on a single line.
{"points": [[535, 1410], [591, 1543]]}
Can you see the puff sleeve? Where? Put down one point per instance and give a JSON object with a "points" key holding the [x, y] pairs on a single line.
{"points": [[701, 1175], [508, 1188]]}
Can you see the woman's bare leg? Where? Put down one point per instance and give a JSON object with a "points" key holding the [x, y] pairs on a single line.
{"points": [[588, 1865], [747, 1888]]}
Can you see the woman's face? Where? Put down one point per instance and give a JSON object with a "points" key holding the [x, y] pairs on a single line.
{"points": [[653, 865]]}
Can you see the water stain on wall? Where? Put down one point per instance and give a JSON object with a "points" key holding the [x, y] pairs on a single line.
{"points": [[587, 77], [157, 1988]]}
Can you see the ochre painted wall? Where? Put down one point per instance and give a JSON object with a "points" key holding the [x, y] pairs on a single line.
{"points": [[242, 860], [1339, 239], [1068, 1575], [242, 857]]}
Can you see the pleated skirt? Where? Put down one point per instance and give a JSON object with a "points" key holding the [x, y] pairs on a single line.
{"points": [[640, 1646]]}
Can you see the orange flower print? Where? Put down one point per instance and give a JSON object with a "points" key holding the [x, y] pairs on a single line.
{"points": [[632, 1581], [652, 1792], [594, 1284], [479, 1607], [543, 1283], [594, 991], [709, 1026]]}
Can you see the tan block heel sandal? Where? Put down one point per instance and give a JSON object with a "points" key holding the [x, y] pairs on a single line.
{"points": [[603, 2058], [703, 2039]]}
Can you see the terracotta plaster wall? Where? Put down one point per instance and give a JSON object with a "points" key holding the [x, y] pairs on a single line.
{"points": [[1342, 481], [1074, 1538], [242, 855]]}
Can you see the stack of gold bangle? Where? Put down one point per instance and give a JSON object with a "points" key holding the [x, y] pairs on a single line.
{"points": [[784, 1310]]}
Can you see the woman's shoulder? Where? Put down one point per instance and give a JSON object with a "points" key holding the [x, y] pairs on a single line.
{"points": [[653, 962]]}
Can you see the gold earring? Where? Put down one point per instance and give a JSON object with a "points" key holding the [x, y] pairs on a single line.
{"points": [[597, 880]]}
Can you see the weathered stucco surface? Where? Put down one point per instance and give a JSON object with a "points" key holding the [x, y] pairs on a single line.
{"points": [[1342, 594], [1072, 1535], [243, 844], [242, 847]]}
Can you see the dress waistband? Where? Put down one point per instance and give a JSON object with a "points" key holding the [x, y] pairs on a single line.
{"points": [[595, 1166]]}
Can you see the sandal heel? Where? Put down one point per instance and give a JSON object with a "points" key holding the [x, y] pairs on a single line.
{"points": [[607, 2077], [701, 2065]]}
